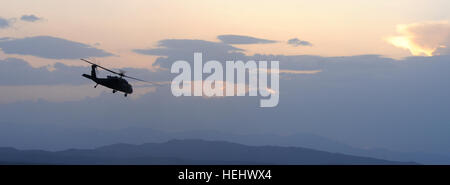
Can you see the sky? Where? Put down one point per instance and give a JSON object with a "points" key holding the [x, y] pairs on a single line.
{"points": [[369, 74], [343, 28]]}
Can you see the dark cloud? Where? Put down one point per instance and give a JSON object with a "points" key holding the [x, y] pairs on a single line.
{"points": [[242, 39], [183, 49], [180, 49], [4, 23], [50, 47], [170, 46], [24, 74], [30, 18], [61, 74], [297, 42]]}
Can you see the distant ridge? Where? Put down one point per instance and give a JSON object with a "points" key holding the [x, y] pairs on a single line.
{"points": [[190, 151]]}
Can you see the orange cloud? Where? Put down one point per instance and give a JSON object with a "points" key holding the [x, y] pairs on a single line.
{"points": [[423, 39]]}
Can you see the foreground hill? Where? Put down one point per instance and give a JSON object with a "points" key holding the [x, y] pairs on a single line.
{"points": [[186, 152]]}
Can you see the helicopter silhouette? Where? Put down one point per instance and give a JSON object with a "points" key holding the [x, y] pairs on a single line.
{"points": [[116, 83]]}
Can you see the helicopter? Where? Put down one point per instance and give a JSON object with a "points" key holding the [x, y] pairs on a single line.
{"points": [[116, 83]]}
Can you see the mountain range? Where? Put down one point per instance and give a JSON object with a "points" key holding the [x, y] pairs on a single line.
{"points": [[56, 138], [187, 152]]}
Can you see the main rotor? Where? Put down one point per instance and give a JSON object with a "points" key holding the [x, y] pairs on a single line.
{"points": [[121, 73]]}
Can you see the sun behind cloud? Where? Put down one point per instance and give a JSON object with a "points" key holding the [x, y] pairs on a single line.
{"points": [[423, 39], [406, 43]]}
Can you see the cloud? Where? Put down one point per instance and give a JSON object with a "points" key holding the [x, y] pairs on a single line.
{"points": [[21, 82], [26, 75], [50, 47], [30, 18], [169, 46], [423, 39], [297, 42], [51, 93], [172, 50], [59, 93], [242, 39], [4, 23]]}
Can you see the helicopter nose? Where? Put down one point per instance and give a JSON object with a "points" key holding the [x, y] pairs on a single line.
{"points": [[130, 89]]}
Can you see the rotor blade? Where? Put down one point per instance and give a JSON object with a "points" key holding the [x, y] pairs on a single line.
{"points": [[151, 83], [101, 67], [148, 82], [120, 74], [135, 78]]}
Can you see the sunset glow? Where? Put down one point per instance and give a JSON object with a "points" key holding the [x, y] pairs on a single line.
{"points": [[405, 43]]}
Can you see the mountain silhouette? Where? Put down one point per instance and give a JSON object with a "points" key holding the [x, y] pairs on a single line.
{"points": [[190, 151], [58, 138]]}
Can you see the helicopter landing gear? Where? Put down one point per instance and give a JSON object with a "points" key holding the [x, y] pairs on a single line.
{"points": [[95, 86], [114, 91], [125, 95]]}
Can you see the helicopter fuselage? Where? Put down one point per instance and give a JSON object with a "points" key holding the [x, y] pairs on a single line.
{"points": [[116, 83], [112, 82]]}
